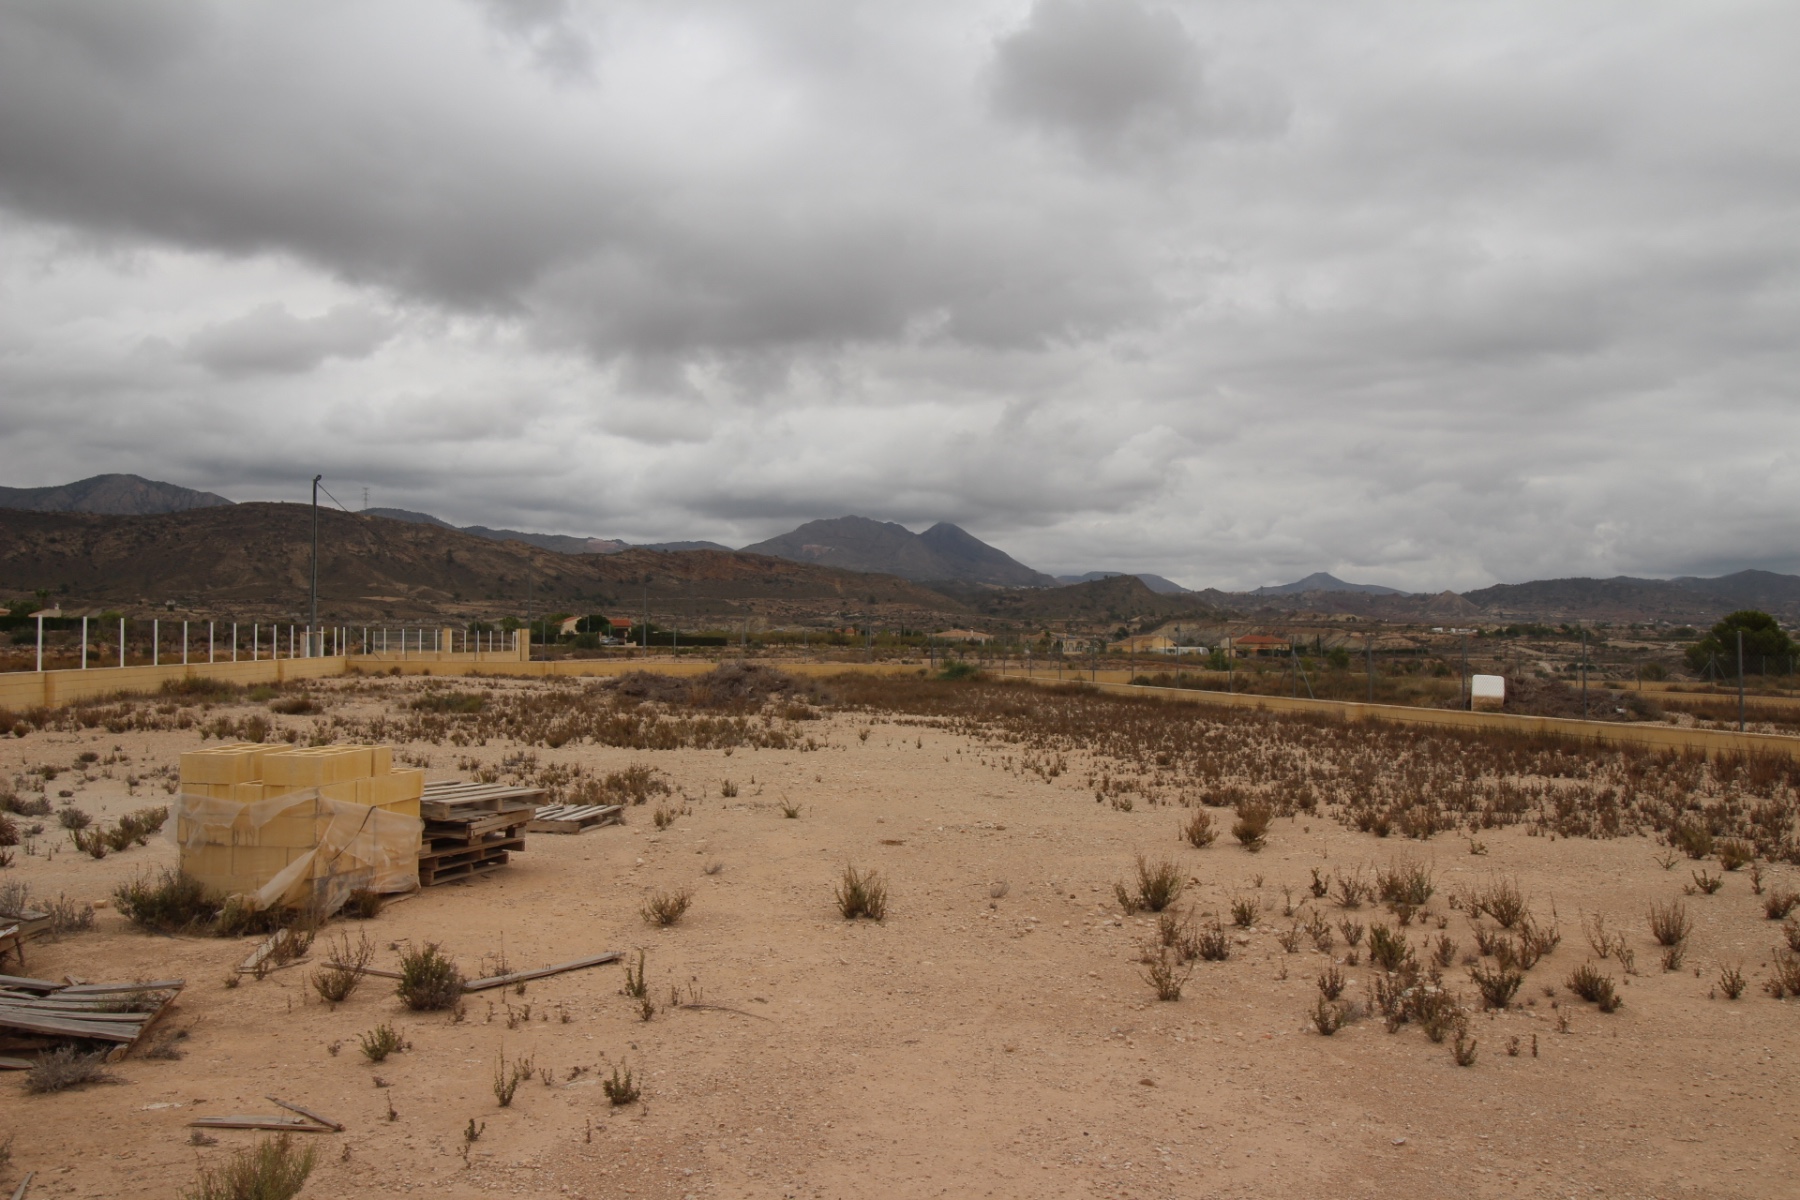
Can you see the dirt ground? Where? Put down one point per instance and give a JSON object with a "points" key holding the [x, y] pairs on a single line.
{"points": [[973, 1044]]}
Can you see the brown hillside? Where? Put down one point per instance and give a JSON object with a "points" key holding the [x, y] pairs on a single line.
{"points": [[1118, 598], [253, 558]]}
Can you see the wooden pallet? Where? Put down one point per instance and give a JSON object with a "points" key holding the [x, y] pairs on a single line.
{"points": [[573, 818], [477, 826], [459, 801], [438, 866], [431, 877]]}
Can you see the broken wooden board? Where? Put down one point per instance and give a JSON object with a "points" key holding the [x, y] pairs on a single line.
{"points": [[254, 1121], [573, 818], [53, 1012], [494, 981]]}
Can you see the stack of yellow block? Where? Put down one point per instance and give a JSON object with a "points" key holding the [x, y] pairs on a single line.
{"points": [[246, 856]]}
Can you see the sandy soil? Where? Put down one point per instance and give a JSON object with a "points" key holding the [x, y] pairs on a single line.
{"points": [[968, 1046]]}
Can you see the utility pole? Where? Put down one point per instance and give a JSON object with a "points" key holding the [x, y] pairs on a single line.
{"points": [[1369, 660], [1468, 700], [313, 621], [1584, 703], [530, 585], [646, 637], [1740, 641]]}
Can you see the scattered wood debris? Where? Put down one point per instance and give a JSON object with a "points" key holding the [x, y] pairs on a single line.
{"points": [[39, 1014]]}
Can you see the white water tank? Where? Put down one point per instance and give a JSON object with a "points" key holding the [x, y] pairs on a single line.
{"points": [[1487, 691]]}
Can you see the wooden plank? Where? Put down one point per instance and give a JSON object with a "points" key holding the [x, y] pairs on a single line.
{"points": [[377, 971], [334, 1126], [494, 981], [113, 989], [285, 1124], [461, 854], [15, 1064], [27, 984], [121, 1051], [65, 1027], [77, 1014], [24, 1185], [471, 830]]}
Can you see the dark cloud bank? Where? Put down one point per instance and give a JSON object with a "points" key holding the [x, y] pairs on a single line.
{"points": [[1424, 295]]}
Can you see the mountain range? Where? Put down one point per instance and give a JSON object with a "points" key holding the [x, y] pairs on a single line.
{"points": [[963, 572]]}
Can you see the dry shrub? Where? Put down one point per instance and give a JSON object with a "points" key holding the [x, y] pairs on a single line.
{"points": [[66, 1067], [340, 978], [1501, 900], [271, 1170], [1731, 981], [1388, 948], [1497, 986], [1407, 882], [363, 904], [1244, 911], [1159, 885], [1210, 942], [862, 894], [621, 1089], [1670, 923], [1735, 853], [666, 908], [1167, 972], [1198, 830], [1251, 828], [171, 902], [1784, 977], [429, 980], [1332, 982], [1588, 983], [382, 1041]]}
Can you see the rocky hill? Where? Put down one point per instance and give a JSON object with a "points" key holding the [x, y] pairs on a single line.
{"points": [[943, 552], [118, 495], [247, 559]]}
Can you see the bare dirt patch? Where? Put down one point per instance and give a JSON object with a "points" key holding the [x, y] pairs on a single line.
{"points": [[996, 1033]]}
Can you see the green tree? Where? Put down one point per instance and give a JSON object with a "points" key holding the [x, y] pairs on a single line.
{"points": [[1766, 646]]}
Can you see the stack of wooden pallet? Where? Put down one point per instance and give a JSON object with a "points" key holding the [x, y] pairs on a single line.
{"points": [[38, 1014], [472, 828]]}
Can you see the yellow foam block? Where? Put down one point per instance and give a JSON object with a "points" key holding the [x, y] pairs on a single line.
{"points": [[404, 784], [247, 793], [261, 863], [207, 863], [235, 762], [406, 808], [313, 766], [382, 759]]}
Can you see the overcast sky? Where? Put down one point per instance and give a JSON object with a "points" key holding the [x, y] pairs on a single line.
{"points": [[1430, 295]]}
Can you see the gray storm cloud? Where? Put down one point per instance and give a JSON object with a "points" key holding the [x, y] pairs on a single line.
{"points": [[1428, 295]]}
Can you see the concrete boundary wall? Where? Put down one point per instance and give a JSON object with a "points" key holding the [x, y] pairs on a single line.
{"points": [[21, 690]]}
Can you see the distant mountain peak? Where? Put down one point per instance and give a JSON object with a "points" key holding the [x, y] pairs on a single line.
{"points": [[1156, 583], [943, 552], [1321, 581], [111, 495]]}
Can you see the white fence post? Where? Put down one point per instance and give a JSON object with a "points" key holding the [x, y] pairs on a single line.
{"points": [[156, 641], [184, 643], [84, 643]]}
